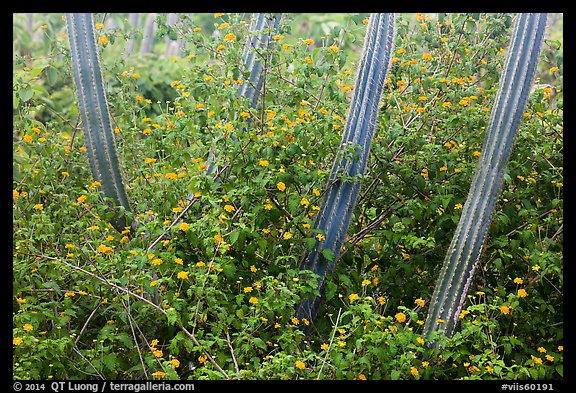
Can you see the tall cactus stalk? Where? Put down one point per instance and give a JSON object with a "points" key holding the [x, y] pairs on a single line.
{"points": [[254, 49], [251, 56], [466, 247], [337, 206], [95, 115]]}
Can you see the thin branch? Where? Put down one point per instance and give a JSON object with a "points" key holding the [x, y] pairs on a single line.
{"points": [[331, 341]]}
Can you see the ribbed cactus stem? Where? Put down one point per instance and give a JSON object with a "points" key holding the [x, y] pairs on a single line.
{"points": [[251, 57], [94, 112], [343, 187], [466, 247], [260, 31]]}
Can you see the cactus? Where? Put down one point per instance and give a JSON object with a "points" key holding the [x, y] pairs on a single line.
{"points": [[255, 43], [95, 115], [466, 246], [343, 187], [250, 61]]}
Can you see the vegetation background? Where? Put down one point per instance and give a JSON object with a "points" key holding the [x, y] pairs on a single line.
{"points": [[212, 296]]}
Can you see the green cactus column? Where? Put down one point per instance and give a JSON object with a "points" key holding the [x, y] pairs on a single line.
{"points": [[251, 55], [343, 187], [464, 252], [260, 32], [94, 112]]}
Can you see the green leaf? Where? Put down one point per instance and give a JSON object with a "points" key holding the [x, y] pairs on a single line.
{"points": [[53, 285], [26, 93], [310, 243], [259, 342], [328, 254]]}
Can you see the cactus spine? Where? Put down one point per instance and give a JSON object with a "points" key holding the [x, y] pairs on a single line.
{"points": [[344, 181], [95, 115], [466, 247]]}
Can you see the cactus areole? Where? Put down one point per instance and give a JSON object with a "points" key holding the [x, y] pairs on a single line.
{"points": [[343, 187]]}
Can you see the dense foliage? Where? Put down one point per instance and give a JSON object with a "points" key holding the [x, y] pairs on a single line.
{"points": [[205, 287]]}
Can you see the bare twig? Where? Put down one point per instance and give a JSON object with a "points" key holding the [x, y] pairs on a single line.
{"points": [[331, 341]]}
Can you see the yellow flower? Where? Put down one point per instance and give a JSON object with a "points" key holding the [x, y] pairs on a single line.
{"points": [[38, 206], [400, 317], [324, 347], [263, 163], [28, 327], [16, 341], [304, 202], [248, 289], [281, 186], [522, 293], [505, 309], [104, 249], [175, 363], [414, 371], [518, 280], [420, 302], [229, 208], [458, 206], [218, 14], [443, 169], [81, 198], [362, 376], [179, 261], [183, 226], [353, 296], [253, 268], [230, 37], [333, 48], [287, 235], [159, 374], [427, 56], [253, 300], [554, 69], [308, 41], [183, 275], [299, 364], [103, 40], [420, 340], [320, 237], [157, 261]]}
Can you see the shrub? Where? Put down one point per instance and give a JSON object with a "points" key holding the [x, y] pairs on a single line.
{"points": [[206, 288]]}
